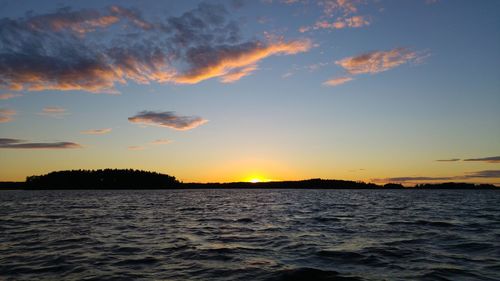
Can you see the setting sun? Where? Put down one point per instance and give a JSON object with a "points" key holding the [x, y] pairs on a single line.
{"points": [[256, 179]]}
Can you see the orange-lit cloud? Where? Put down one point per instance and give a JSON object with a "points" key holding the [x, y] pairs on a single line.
{"points": [[133, 16], [96, 131], [54, 111], [86, 20], [331, 7], [377, 61], [340, 23], [240, 59], [21, 144], [7, 115], [168, 119], [7, 96], [237, 74], [79, 22], [337, 81]]}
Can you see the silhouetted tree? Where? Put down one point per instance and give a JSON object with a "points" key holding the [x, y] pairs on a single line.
{"points": [[102, 179]]}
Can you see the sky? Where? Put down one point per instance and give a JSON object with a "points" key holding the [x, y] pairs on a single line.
{"points": [[220, 91]]}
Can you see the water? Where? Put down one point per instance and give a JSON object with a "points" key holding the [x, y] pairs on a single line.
{"points": [[250, 235]]}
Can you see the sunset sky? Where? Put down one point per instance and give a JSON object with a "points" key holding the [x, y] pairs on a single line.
{"points": [[371, 90]]}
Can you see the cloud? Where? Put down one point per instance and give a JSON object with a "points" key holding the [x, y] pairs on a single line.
{"points": [[337, 81], [168, 119], [448, 160], [161, 141], [96, 131], [54, 111], [7, 96], [484, 174], [58, 51], [414, 179], [346, 7], [377, 61], [209, 62], [493, 159], [466, 176], [7, 115], [136, 147], [64, 19], [21, 144], [133, 16], [342, 10], [340, 23], [237, 74]]}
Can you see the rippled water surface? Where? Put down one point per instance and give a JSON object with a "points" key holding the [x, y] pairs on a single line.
{"points": [[250, 235]]}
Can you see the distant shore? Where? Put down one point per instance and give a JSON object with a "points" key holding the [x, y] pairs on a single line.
{"points": [[137, 179]]}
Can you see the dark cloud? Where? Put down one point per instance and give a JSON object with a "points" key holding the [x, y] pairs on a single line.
{"points": [[59, 51], [35, 59], [205, 25], [167, 119], [448, 160], [21, 144], [237, 4], [493, 159], [484, 174], [466, 176], [414, 179]]}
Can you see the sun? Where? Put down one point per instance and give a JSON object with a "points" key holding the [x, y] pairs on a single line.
{"points": [[256, 179]]}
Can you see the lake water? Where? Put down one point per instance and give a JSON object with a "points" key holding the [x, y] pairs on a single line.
{"points": [[250, 235]]}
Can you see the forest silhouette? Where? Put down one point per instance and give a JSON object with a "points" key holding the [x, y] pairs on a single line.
{"points": [[138, 179]]}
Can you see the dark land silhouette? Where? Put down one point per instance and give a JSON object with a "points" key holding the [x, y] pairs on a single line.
{"points": [[137, 179]]}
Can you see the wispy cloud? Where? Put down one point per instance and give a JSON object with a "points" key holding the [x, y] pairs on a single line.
{"points": [[337, 81], [448, 160], [65, 19], [344, 12], [168, 119], [484, 174], [414, 179], [345, 6], [96, 131], [377, 61], [7, 143], [7, 115], [467, 176], [340, 23], [161, 141], [237, 74], [493, 159], [7, 96], [136, 147], [201, 44], [54, 111]]}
